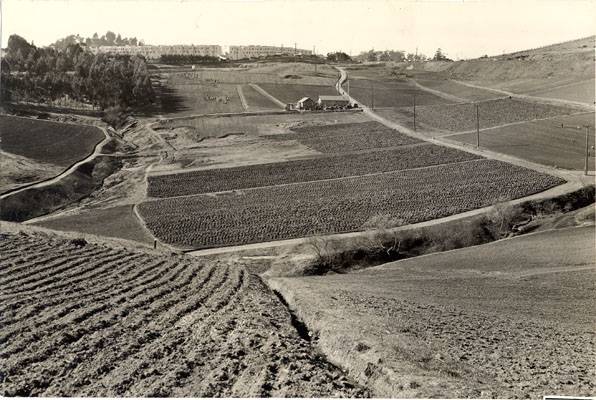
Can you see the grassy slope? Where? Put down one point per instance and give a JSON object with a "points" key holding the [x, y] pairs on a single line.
{"points": [[113, 222], [544, 142], [81, 183], [46, 141], [506, 319]]}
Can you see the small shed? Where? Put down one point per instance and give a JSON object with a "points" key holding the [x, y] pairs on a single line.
{"points": [[332, 101], [305, 103]]}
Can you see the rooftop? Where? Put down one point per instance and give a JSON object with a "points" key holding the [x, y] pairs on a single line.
{"points": [[332, 98]]}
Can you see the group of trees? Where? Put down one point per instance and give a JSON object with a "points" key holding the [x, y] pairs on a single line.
{"points": [[109, 39], [338, 56], [385, 55], [44, 75]]}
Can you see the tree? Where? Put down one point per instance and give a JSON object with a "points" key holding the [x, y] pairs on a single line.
{"points": [[380, 234], [110, 38], [338, 56], [439, 56]]}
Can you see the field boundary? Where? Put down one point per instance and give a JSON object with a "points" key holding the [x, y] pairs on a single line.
{"points": [[46, 182], [537, 99], [444, 95], [564, 188], [268, 95], [242, 98]]}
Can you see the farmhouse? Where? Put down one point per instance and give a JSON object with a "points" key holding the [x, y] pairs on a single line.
{"points": [[305, 103], [332, 101]]}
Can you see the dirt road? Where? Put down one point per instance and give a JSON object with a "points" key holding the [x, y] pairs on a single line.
{"points": [[96, 151]]}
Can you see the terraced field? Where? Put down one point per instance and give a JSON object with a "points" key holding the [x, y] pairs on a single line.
{"points": [[45, 141], [329, 167], [291, 93], [333, 206], [109, 322], [344, 138]]}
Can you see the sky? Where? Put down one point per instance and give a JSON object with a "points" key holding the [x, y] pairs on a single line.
{"points": [[462, 29]]}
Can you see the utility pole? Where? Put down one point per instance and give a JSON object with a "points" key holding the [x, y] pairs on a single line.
{"points": [[348, 87], [414, 112], [477, 126], [372, 93], [587, 150]]}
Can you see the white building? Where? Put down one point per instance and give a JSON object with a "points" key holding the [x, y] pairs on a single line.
{"points": [[155, 52], [255, 51]]}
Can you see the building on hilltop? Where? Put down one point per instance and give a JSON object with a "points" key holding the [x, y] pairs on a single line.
{"points": [[155, 52], [254, 51]]}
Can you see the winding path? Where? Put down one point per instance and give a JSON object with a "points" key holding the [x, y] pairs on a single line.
{"points": [[47, 182]]}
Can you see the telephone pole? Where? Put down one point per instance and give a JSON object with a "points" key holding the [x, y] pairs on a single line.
{"points": [[587, 150], [414, 112], [477, 127], [372, 93]]}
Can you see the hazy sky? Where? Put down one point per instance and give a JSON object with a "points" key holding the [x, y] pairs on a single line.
{"points": [[461, 28]]}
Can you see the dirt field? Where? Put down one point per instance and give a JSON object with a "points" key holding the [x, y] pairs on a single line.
{"points": [[16, 171], [105, 321], [509, 319], [575, 91], [209, 98], [291, 93], [543, 142], [115, 221]]}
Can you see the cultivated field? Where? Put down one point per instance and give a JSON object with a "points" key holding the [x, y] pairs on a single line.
{"points": [[391, 94], [543, 142], [345, 138], [511, 319], [109, 322], [117, 222], [329, 167], [462, 117], [457, 89], [46, 141], [575, 91], [333, 206], [291, 93]]}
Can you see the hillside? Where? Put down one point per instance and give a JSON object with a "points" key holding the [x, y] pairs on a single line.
{"points": [[99, 319], [509, 319], [544, 71]]}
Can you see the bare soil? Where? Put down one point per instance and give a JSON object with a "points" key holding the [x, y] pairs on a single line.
{"points": [[511, 319], [105, 321]]}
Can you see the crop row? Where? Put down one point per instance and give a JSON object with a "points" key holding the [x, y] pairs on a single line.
{"points": [[462, 116], [344, 205], [338, 166], [343, 138], [104, 322]]}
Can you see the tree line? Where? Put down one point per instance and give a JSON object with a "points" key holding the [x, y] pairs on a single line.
{"points": [[44, 75], [109, 39]]}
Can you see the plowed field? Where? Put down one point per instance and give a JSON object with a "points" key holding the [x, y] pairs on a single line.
{"points": [[104, 321]]}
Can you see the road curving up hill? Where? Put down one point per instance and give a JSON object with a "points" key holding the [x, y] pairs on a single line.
{"points": [[83, 319]]}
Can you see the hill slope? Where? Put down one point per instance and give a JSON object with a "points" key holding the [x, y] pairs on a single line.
{"points": [[99, 320], [509, 319]]}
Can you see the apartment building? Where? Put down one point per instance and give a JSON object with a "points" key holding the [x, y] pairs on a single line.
{"points": [[155, 52], [255, 51]]}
